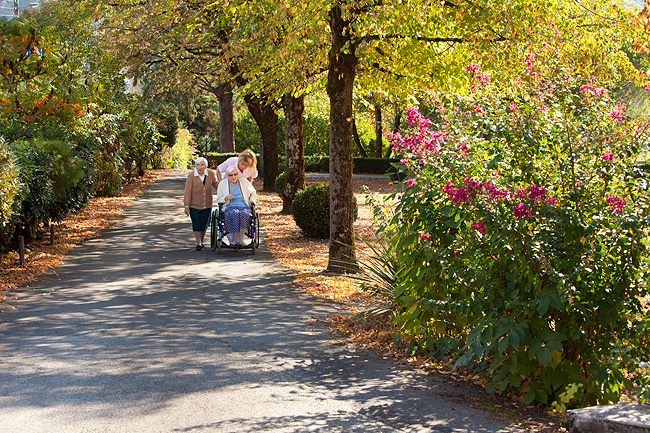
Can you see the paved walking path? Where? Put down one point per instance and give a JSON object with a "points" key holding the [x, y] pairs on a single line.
{"points": [[138, 332]]}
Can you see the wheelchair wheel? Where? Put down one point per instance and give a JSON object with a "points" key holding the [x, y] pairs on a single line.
{"points": [[213, 231], [257, 231]]}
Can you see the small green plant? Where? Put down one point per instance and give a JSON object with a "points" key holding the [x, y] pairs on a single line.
{"points": [[311, 210], [565, 398], [280, 183]]}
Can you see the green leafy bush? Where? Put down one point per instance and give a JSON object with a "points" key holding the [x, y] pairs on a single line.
{"points": [[280, 183], [181, 152], [9, 187], [522, 232], [311, 210], [321, 164]]}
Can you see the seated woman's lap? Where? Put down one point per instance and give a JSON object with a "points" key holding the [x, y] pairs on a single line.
{"points": [[237, 218]]}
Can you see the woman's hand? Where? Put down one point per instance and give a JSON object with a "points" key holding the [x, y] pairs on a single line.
{"points": [[229, 197], [187, 211]]}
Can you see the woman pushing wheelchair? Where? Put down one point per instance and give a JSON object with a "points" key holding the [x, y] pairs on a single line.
{"points": [[237, 195]]}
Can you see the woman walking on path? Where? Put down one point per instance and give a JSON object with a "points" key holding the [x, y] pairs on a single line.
{"points": [[246, 162], [198, 198]]}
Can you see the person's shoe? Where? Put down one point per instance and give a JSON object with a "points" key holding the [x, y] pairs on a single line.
{"points": [[238, 245], [200, 247]]}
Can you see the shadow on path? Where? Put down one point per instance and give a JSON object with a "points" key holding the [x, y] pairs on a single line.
{"points": [[139, 332]]}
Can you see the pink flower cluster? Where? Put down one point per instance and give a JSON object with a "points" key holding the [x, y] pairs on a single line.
{"points": [[424, 236], [473, 69], [411, 182], [607, 156], [479, 227], [590, 90], [423, 141], [530, 59], [615, 203], [521, 210], [471, 189], [456, 195], [617, 112]]}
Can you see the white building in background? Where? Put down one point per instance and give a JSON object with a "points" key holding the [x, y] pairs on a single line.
{"points": [[9, 8]]}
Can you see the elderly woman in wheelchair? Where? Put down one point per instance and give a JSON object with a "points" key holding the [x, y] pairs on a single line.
{"points": [[236, 214]]}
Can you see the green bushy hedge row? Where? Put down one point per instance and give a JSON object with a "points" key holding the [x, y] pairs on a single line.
{"points": [[320, 164]]}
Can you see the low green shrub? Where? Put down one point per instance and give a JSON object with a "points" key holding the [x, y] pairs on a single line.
{"points": [[311, 210], [280, 183], [216, 158], [321, 164]]}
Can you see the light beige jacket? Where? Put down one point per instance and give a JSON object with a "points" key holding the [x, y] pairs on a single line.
{"points": [[247, 191], [197, 195]]}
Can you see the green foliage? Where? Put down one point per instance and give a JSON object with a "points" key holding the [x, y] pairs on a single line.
{"points": [[320, 164], [317, 164], [8, 183], [181, 152], [9, 187], [247, 135], [316, 134], [216, 158], [280, 183], [311, 210], [522, 234]]}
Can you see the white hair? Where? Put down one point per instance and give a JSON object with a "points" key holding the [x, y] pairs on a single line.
{"points": [[200, 160], [230, 169]]}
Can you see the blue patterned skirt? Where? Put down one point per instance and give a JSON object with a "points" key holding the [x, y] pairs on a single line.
{"points": [[237, 218]]}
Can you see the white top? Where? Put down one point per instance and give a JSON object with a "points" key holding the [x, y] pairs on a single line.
{"points": [[196, 173], [233, 161]]}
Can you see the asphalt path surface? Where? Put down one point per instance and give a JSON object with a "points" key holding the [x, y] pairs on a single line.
{"points": [[137, 332]]}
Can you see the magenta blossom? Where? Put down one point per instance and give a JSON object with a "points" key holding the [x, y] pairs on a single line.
{"points": [[615, 203], [479, 227], [535, 192], [411, 182], [456, 195], [617, 112], [424, 236], [544, 108], [462, 147], [521, 210], [607, 156], [472, 69]]}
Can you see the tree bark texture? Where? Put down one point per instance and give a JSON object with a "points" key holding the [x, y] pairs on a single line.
{"points": [[267, 121], [294, 149], [340, 80], [379, 131], [357, 141], [226, 119]]}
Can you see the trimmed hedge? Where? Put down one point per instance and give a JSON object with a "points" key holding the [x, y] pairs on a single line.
{"points": [[216, 158], [311, 210], [320, 164]]}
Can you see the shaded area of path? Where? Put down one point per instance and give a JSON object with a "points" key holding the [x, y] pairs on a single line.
{"points": [[138, 332]]}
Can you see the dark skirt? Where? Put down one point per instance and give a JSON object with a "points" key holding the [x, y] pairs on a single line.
{"points": [[237, 218], [200, 219]]}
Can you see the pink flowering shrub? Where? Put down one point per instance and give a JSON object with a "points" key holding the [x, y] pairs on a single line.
{"points": [[523, 246]]}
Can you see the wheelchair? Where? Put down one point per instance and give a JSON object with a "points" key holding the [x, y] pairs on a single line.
{"points": [[218, 232]]}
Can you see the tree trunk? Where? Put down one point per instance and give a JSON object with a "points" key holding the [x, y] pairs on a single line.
{"points": [[294, 150], [379, 131], [267, 121], [340, 80], [226, 119], [357, 141]]}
